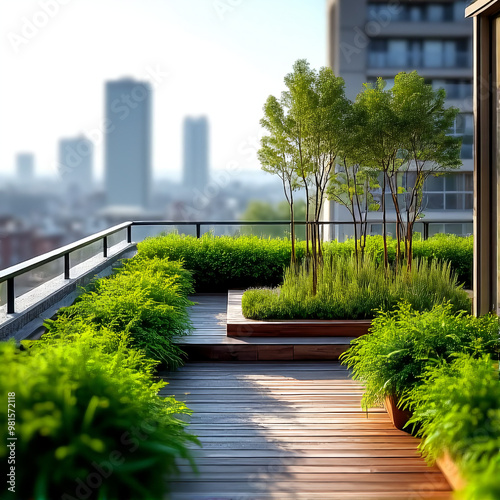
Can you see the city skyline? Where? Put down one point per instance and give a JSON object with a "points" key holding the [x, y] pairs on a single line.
{"points": [[200, 60]]}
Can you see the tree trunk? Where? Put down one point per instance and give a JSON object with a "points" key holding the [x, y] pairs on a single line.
{"points": [[384, 224]]}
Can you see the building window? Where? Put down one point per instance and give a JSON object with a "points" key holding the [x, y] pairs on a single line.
{"points": [[455, 88], [416, 12], [452, 191], [464, 127], [419, 53]]}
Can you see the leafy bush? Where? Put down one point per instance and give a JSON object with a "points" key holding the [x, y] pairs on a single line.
{"points": [[351, 290], [456, 250], [457, 406], [89, 423], [401, 344], [146, 298], [222, 263], [449, 248]]}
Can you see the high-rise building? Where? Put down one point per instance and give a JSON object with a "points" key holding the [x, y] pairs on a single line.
{"points": [[369, 39], [128, 143], [195, 171], [76, 156], [25, 167]]}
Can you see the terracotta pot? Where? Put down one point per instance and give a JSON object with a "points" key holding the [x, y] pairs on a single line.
{"points": [[399, 417], [450, 471]]}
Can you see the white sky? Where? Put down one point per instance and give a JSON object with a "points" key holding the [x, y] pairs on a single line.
{"points": [[219, 62]]}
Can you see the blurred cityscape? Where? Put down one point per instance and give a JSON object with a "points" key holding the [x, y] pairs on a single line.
{"points": [[367, 39], [39, 214]]}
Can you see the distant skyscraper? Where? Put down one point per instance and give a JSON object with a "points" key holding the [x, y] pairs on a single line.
{"points": [[25, 166], [128, 143], [195, 172], [76, 162]]}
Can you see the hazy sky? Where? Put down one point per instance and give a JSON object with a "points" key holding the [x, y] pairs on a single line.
{"points": [[221, 58]]}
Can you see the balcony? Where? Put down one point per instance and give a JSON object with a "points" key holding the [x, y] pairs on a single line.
{"points": [[276, 413]]}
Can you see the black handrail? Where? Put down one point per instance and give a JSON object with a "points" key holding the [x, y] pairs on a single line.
{"points": [[9, 274], [12, 272]]}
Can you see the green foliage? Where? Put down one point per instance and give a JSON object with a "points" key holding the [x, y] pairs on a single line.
{"points": [[349, 289], [457, 250], [264, 211], [145, 298], [484, 485], [222, 263], [457, 407], [394, 356], [85, 414]]}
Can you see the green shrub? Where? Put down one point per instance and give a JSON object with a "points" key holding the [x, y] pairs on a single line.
{"points": [[401, 344], [146, 298], [222, 263], [484, 485], [450, 248], [456, 250], [457, 407], [350, 290], [89, 424]]}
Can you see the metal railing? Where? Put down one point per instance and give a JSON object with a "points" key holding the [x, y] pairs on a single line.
{"points": [[9, 274]]}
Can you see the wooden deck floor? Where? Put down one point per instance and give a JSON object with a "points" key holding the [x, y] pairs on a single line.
{"points": [[210, 342], [293, 430]]}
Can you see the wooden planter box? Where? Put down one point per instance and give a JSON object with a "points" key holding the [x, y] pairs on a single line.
{"points": [[399, 417], [450, 471], [239, 326]]}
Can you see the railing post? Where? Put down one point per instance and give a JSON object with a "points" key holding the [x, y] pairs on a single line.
{"points": [[105, 247], [426, 230], [66, 266], [11, 297], [129, 234], [198, 230]]}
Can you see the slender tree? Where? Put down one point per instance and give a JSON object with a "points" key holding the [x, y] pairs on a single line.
{"points": [[353, 182], [426, 148], [300, 101], [308, 117], [278, 157], [379, 139]]}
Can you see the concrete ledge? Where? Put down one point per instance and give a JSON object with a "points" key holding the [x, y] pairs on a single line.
{"points": [[43, 301]]}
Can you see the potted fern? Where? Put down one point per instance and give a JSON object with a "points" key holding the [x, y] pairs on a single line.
{"points": [[391, 359], [457, 410]]}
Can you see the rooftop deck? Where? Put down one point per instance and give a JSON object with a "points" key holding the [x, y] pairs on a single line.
{"points": [[287, 429], [293, 430], [210, 342]]}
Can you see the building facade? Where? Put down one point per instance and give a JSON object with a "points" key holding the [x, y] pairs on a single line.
{"points": [[370, 39], [196, 152], [128, 143], [486, 17]]}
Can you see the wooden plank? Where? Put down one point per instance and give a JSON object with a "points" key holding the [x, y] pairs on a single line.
{"points": [[293, 430]]}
